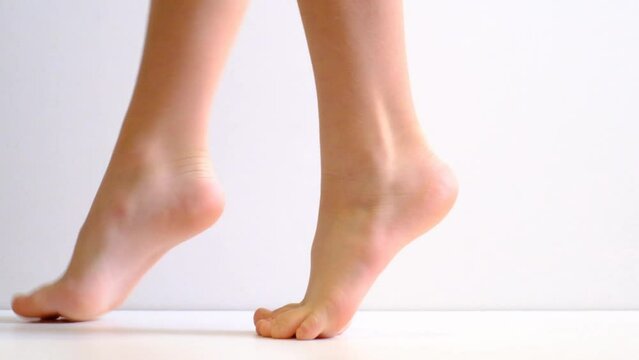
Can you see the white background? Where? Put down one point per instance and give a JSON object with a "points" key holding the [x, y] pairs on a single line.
{"points": [[534, 103]]}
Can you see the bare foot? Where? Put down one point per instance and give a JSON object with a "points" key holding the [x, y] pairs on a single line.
{"points": [[364, 220], [147, 203]]}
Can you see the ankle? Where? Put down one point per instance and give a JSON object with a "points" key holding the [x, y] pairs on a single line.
{"points": [[163, 135], [154, 154], [370, 179], [370, 136], [181, 191]]}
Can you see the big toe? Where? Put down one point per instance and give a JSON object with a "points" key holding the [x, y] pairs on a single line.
{"points": [[38, 304]]}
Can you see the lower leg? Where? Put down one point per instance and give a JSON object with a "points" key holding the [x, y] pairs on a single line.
{"points": [[185, 50], [382, 186], [159, 188]]}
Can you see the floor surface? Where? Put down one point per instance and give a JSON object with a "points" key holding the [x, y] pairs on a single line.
{"points": [[373, 335]]}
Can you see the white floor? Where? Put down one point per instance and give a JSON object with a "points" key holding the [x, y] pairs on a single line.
{"points": [[373, 335]]}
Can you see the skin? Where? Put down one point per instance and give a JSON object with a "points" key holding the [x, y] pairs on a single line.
{"points": [[382, 185], [159, 188]]}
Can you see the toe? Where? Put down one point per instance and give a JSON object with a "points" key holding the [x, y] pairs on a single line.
{"points": [[285, 308], [36, 305], [263, 327], [285, 324], [261, 314], [311, 327]]}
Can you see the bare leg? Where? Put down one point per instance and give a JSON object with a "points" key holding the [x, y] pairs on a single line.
{"points": [[159, 188], [382, 186]]}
